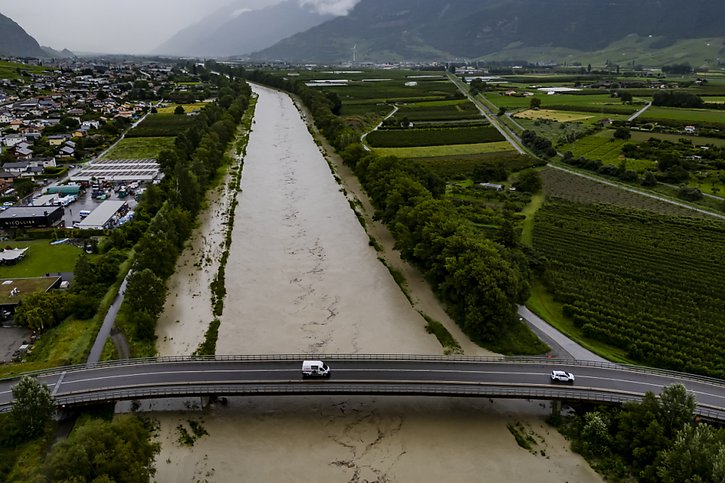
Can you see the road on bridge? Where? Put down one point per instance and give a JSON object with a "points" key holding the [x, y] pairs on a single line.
{"points": [[370, 374]]}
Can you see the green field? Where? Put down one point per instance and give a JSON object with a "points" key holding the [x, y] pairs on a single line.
{"points": [[639, 281], [643, 136], [434, 112], [9, 70], [42, 258], [693, 116], [455, 150], [604, 147], [406, 138], [140, 148], [601, 103], [161, 125], [464, 166], [197, 106]]}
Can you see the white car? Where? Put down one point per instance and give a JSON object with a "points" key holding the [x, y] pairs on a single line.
{"points": [[562, 376]]}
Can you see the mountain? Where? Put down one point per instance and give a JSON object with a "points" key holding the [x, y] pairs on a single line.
{"points": [[385, 30], [14, 41], [236, 30]]}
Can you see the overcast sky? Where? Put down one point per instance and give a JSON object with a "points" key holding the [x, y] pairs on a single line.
{"points": [[111, 26]]}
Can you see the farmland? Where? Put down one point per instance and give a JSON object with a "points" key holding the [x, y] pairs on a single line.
{"points": [[558, 116], [161, 125], [433, 137], [140, 148], [692, 116], [13, 70], [605, 147], [455, 150], [197, 106], [638, 281], [568, 186]]}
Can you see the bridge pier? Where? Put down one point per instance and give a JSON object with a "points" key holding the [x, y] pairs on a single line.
{"points": [[555, 409]]}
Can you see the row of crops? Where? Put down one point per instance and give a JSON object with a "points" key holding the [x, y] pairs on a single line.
{"points": [[650, 284], [434, 137]]}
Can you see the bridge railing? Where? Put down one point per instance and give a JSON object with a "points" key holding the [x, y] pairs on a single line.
{"points": [[566, 363], [418, 389]]}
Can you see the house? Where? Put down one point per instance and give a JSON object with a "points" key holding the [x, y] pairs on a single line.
{"points": [[12, 140], [16, 168], [7, 176], [23, 153], [66, 152], [43, 162], [57, 139]]}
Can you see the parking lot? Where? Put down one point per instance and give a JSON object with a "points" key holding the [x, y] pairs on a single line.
{"points": [[87, 203]]}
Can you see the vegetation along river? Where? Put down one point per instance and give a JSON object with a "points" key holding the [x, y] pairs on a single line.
{"points": [[301, 277]]}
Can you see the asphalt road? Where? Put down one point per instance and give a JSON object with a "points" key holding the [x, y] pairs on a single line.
{"points": [[360, 374]]}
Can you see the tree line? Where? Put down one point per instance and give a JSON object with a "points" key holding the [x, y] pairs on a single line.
{"points": [[657, 440]]}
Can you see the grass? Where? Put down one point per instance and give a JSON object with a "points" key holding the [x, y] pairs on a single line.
{"points": [[9, 70], [449, 343], [42, 258], [517, 340], [26, 286], [692, 116], [197, 106], [604, 147], [140, 148], [537, 202], [543, 304], [455, 150], [641, 136], [558, 116]]}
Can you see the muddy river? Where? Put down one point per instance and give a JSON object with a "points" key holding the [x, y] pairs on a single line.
{"points": [[302, 277]]}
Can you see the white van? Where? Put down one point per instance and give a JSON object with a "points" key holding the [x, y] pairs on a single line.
{"points": [[84, 213], [315, 369]]}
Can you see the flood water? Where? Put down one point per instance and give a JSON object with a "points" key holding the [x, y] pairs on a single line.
{"points": [[301, 277]]}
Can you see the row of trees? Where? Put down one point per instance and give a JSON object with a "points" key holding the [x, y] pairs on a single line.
{"points": [[656, 440], [480, 281], [189, 169]]}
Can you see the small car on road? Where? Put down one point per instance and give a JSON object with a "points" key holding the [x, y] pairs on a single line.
{"points": [[315, 369], [562, 376]]}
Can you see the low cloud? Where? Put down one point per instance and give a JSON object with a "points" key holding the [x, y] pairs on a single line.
{"points": [[331, 7]]}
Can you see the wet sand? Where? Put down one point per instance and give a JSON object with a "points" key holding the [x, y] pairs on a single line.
{"points": [[302, 278]]}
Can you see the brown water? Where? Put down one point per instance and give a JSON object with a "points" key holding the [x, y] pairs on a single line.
{"points": [[302, 278], [301, 275]]}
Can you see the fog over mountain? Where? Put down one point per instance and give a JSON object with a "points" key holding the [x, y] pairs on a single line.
{"points": [[239, 28], [385, 30]]}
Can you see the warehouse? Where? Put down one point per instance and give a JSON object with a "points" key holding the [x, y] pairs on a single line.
{"points": [[105, 216], [119, 170], [31, 217]]}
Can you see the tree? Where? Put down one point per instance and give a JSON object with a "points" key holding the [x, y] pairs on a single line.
{"points": [[677, 408], [102, 451], [649, 179], [535, 103], [622, 133], [695, 456], [146, 292], [529, 181], [625, 96], [33, 407], [179, 111]]}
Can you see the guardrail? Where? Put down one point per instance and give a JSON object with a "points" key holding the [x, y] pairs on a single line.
{"points": [[371, 357], [366, 388]]}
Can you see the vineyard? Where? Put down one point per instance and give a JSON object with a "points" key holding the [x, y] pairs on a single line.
{"points": [[650, 284], [405, 138]]}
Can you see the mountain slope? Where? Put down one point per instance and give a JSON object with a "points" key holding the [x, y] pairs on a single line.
{"points": [[431, 29], [235, 30], [15, 41]]}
